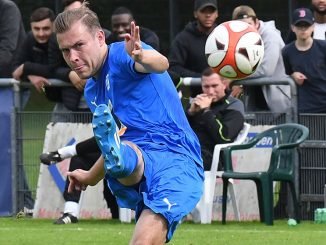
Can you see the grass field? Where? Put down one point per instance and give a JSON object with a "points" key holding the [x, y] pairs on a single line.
{"points": [[34, 232]]}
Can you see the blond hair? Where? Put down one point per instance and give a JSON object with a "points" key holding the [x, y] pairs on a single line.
{"points": [[67, 18]]}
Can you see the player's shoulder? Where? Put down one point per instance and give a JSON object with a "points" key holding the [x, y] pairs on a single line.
{"points": [[116, 46], [117, 51]]}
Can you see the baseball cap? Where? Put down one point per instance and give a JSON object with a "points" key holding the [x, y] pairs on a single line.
{"points": [[200, 4], [243, 12], [302, 15]]}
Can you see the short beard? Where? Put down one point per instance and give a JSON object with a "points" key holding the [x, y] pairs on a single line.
{"points": [[320, 12]]}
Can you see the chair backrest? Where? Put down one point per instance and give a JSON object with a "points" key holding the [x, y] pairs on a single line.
{"points": [[287, 137], [239, 140], [284, 138]]}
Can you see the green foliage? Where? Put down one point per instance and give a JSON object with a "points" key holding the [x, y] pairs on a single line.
{"points": [[40, 231]]}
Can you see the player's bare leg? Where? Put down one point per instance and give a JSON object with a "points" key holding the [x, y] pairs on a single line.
{"points": [[151, 229]]}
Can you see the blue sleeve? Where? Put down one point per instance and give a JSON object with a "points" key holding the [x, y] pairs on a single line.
{"points": [[120, 59]]}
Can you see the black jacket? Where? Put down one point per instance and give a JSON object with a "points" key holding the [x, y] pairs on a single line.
{"points": [[34, 56], [187, 54], [12, 32], [219, 125]]}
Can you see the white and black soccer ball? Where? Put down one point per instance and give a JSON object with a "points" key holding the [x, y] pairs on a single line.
{"points": [[234, 49]]}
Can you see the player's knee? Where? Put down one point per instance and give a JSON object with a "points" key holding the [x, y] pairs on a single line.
{"points": [[127, 163]]}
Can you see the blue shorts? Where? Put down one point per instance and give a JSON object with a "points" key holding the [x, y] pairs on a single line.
{"points": [[172, 186]]}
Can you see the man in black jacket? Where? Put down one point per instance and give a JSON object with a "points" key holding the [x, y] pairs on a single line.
{"points": [[187, 53], [215, 116], [31, 59]]}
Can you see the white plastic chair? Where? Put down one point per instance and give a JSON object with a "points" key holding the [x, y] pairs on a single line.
{"points": [[205, 205]]}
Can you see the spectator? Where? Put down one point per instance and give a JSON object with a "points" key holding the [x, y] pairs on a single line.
{"points": [[275, 98], [30, 62], [319, 12], [305, 61], [120, 25], [215, 116], [83, 156], [187, 53], [12, 32]]}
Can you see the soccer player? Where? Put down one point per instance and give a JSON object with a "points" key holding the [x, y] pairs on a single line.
{"points": [[156, 168]]}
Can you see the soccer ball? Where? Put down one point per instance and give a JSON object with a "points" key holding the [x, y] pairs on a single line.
{"points": [[234, 49]]}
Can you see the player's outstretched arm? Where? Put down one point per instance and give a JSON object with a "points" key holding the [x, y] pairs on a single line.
{"points": [[147, 61]]}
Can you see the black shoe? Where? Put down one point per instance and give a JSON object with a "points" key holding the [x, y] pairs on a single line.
{"points": [[28, 212], [49, 158], [66, 219]]}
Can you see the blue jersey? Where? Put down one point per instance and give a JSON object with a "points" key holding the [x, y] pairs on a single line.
{"points": [[146, 103]]}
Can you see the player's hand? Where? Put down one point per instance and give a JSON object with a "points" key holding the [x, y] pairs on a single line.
{"points": [[133, 43], [298, 77], [38, 82], [78, 180]]}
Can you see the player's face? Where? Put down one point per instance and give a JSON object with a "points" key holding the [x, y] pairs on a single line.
{"points": [[81, 49], [213, 86], [319, 6], [121, 25], [42, 30], [303, 30], [206, 17]]}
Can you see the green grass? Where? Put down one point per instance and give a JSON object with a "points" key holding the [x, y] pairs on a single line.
{"points": [[33, 231]]}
